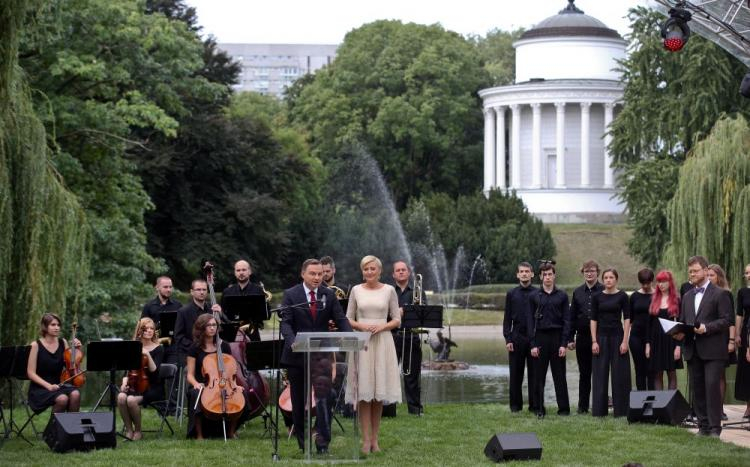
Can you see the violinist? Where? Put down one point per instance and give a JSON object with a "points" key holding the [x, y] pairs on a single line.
{"points": [[129, 401], [46, 363], [204, 344]]}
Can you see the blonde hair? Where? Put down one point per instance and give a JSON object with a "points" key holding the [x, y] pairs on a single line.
{"points": [[370, 259], [721, 277], [139, 328]]}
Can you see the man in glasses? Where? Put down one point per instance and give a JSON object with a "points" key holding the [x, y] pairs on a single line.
{"points": [[580, 338]]}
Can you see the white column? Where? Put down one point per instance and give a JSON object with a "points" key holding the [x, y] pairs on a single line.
{"points": [[500, 149], [489, 150], [585, 152], [515, 150], [536, 145], [560, 146], [608, 173]]}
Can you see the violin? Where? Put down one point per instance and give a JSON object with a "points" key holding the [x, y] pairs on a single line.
{"points": [[222, 398], [72, 372], [138, 379]]}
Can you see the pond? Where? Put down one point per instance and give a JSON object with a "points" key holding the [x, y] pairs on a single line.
{"points": [[487, 378]]}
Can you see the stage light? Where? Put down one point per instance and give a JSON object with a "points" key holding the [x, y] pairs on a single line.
{"points": [[675, 30]]}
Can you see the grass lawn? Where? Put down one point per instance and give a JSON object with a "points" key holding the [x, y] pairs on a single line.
{"points": [[448, 434]]}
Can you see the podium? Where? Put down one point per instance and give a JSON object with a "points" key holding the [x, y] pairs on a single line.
{"points": [[319, 348]]}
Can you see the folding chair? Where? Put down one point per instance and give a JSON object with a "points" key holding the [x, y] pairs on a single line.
{"points": [[167, 373]]}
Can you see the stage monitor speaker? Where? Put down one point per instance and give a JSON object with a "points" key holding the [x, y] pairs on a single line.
{"points": [[81, 431], [513, 446], [665, 407]]}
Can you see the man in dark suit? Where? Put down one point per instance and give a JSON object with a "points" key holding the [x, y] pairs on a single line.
{"points": [[709, 310], [186, 316], [307, 307]]}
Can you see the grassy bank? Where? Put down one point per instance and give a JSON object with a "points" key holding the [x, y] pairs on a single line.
{"points": [[448, 434]]}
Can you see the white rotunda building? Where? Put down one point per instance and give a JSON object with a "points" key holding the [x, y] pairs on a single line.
{"points": [[545, 136]]}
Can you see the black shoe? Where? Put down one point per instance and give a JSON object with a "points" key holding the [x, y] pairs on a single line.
{"points": [[322, 449], [540, 415], [581, 410], [516, 409], [724, 417]]}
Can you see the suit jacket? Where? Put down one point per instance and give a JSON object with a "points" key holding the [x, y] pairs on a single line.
{"points": [[715, 312], [183, 328], [298, 319]]}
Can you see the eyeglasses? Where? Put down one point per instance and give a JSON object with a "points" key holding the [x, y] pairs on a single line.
{"points": [[212, 325], [590, 271]]}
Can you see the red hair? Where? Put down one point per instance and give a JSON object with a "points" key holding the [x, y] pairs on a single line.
{"points": [[673, 300]]}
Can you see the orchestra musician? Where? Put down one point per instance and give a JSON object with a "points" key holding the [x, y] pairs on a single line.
{"points": [[188, 314], [129, 401], [243, 286], [46, 363], [205, 331], [307, 308]]}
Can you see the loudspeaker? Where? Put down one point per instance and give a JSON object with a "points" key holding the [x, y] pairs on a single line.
{"points": [[513, 446], [665, 407], [81, 431]]}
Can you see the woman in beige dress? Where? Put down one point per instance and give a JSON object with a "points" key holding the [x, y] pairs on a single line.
{"points": [[378, 379]]}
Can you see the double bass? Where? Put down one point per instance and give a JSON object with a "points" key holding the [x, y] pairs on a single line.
{"points": [[72, 373], [222, 398]]}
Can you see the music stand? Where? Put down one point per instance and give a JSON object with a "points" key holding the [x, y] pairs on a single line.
{"points": [[246, 309], [113, 355], [167, 320], [265, 355], [422, 316]]}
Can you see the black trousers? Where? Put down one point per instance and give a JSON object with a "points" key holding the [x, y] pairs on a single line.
{"points": [[583, 358], [608, 363], [707, 402], [520, 357], [412, 363], [548, 342], [322, 383], [644, 380]]}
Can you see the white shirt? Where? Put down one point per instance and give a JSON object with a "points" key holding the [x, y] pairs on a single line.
{"points": [[699, 296], [307, 292]]}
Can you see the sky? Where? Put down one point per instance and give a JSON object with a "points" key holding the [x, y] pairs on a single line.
{"points": [[328, 21]]}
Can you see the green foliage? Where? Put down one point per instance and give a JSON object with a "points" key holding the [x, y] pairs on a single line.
{"points": [[499, 56], [498, 228], [43, 234], [671, 102], [110, 77], [407, 93], [710, 208]]}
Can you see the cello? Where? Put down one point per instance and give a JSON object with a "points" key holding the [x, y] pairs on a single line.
{"points": [[221, 398], [72, 372]]}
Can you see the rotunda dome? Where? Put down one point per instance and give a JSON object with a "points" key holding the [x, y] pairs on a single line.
{"points": [[569, 45]]}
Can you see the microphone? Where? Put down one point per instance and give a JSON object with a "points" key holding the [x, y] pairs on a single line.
{"points": [[323, 301]]}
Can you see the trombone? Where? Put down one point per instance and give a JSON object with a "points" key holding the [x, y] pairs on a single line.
{"points": [[416, 299]]}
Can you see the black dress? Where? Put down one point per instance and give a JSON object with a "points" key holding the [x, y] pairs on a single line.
{"points": [[48, 367], [662, 345], [211, 428], [742, 380], [155, 391], [639, 318]]}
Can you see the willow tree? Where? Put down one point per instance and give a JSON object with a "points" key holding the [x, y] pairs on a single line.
{"points": [[42, 245], [710, 212]]}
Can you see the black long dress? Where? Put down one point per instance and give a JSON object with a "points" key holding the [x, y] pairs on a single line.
{"points": [[662, 345], [210, 428], [155, 391], [639, 318], [48, 367], [742, 380]]}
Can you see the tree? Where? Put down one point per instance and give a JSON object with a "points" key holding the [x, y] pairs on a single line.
{"points": [[108, 77], [671, 101], [498, 228], [44, 241], [710, 212], [499, 56], [407, 94]]}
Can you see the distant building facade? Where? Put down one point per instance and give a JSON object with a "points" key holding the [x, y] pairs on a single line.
{"points": [[546, 136], [270, 68]]}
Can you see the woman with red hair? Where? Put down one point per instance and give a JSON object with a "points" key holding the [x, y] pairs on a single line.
{"points": [[662, 351]]}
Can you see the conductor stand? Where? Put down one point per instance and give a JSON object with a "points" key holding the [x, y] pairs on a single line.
{"points": [[113, 356], [13, 361]]}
